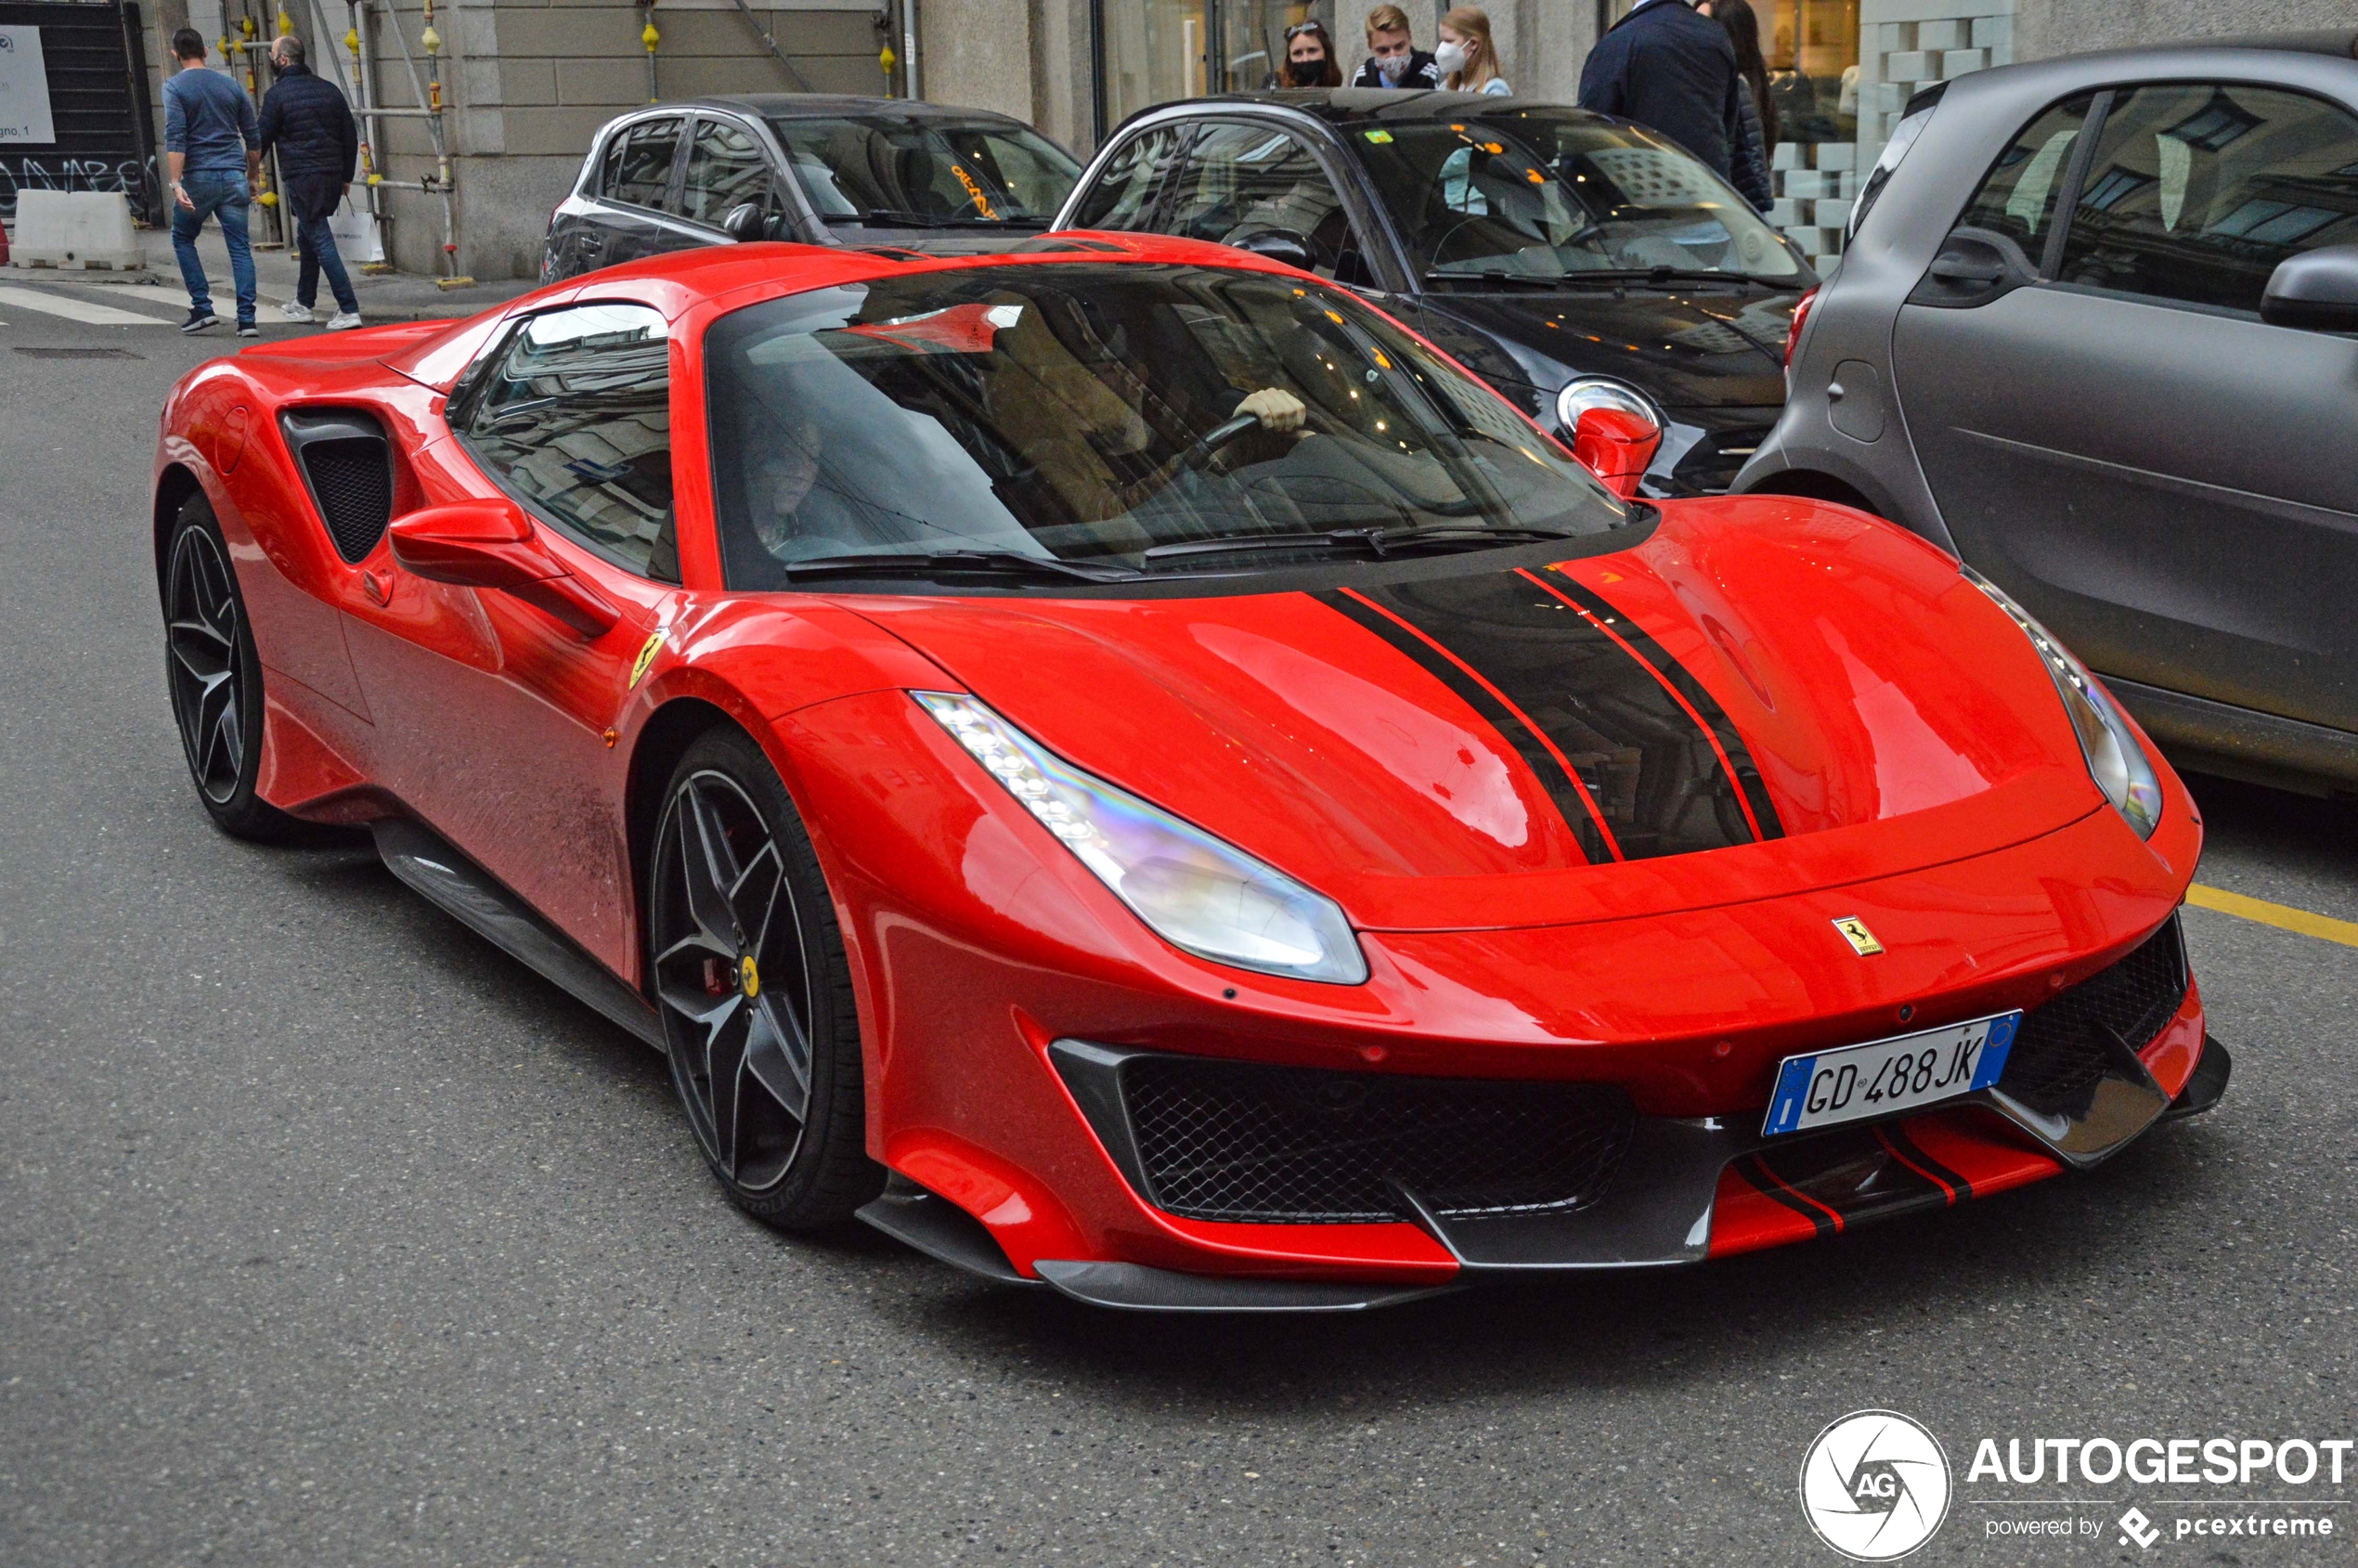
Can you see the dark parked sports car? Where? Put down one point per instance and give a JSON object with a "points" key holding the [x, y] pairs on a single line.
{"points": [[2094, 333], [1571, 261], [1124, 768], [825, 171]]}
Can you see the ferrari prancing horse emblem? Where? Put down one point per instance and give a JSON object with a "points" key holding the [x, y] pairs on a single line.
{"points": [[748, 977], [1854, 931], [647, 652]]}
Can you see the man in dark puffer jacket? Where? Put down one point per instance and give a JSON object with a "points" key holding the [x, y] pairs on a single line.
{"points": [[307, 119]]}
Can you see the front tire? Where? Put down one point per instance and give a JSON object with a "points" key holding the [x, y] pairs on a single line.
{"points": [[754, 990], [216, 677]]}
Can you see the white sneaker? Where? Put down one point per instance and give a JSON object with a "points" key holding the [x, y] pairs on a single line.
{"points": [[344, 320], [295, 312]]}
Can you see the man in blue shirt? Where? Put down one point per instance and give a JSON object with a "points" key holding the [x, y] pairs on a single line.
{"points": [[216, 156]]}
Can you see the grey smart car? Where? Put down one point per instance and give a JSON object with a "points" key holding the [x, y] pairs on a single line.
{"points": [[2096, 332]]}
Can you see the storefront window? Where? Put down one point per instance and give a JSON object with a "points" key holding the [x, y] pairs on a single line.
{"points": [[1813, 68], [1155, 51]]}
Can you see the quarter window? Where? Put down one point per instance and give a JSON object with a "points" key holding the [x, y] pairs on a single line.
{"points": [[2196, 193], [1131, 184], [642, 175], [2017, 198], [574, 418], [726, 169]]}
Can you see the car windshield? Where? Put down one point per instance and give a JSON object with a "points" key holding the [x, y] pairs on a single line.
{"points": [[1540, 193], [1124, 415], [922, 172]]}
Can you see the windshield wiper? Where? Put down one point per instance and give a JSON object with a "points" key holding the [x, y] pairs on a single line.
{"points": [[1380, 542], [1500, 275], [947, 564], [1621, 276], [894, 217]]}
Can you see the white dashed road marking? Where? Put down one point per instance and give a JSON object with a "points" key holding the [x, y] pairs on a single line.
{"points": [[87, 311]]}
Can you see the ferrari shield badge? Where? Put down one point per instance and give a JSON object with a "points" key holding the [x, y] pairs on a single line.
{"points": [[1854, 931], [647, 652]]}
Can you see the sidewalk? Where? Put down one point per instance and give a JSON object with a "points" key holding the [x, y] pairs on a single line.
{"points": [[389, 297]]}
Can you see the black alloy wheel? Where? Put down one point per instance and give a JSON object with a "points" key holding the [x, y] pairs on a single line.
{"points": [[216, 677], [755, 991]]}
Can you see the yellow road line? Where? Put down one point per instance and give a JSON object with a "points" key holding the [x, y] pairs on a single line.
{"points": [[2281, 915]]}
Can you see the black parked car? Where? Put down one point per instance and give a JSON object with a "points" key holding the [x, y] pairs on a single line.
{"points": [[1565, 257], [823, 171], [2093, 333]]}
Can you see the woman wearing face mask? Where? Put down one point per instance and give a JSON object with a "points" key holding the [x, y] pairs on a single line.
{"points": [[1467, 61], [1310, 59]]}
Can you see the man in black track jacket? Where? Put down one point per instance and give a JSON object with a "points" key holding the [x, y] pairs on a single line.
{"points": [[306, 117], [1673, 71]]}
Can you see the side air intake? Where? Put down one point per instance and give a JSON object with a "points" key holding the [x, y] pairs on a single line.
{"points": [[348, 468]]}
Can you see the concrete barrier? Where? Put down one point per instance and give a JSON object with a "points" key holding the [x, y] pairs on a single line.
{"points": [[81, 229]]}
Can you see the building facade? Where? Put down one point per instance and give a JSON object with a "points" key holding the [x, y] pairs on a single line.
{"points": [[523, 83]]}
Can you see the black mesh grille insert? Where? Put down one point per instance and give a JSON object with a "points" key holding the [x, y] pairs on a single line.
{"points": [[2062, 1051], [352, 479], [1230, 1141]]}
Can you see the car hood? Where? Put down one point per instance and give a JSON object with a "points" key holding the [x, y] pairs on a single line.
{"points": [[1707, 348], [1757, 696]]}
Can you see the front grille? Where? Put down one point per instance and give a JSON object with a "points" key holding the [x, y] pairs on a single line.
{"points": [[1230, 1141], [352, 480], [2062, 1051]]}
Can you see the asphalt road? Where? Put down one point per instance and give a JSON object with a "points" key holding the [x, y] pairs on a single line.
{"points": [[327, 1235]]}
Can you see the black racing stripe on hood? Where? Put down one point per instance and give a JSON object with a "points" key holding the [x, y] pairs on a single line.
{"points": [[1649, 765], [1559, 785], [1707, 707]]}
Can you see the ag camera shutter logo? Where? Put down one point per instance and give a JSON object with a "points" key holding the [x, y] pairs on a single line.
{"points": [[1874, 1486]]}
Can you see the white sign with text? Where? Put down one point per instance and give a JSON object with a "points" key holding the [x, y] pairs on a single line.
{"points": [[24, 89]]}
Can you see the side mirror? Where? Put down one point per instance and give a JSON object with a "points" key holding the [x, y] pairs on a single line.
{"points": [[2317, 290], [746, 222], [1613, 430], [1280, 245], [482, 544]]}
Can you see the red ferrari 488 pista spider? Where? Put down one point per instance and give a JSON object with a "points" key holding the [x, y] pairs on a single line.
{"points": [[1123, 768]]}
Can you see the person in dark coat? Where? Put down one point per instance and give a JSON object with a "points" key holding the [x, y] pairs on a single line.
{"points": [[1758, 111], [307, 119], [1673, 72]]}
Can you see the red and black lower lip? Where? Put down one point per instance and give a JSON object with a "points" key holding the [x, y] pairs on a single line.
{"points": [[1635, 753]]}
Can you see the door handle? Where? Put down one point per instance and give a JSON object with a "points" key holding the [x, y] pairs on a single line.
{"points": [[1957, 269]]}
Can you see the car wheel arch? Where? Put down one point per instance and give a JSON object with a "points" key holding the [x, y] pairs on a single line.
{"points": [[1811, 484], [174, 486]]}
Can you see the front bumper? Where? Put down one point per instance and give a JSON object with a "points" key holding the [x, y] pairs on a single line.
{"points": [[1678, 1189]]}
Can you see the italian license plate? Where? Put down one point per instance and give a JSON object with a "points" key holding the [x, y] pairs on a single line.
{"points": [[1891, 1075]]}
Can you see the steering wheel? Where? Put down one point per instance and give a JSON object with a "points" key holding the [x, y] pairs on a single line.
{"points": [[1219, 436]]}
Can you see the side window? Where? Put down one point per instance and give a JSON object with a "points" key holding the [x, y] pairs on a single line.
{"points": [[726, 169], [642, 175], [1126, 195], [610, 166], [2196, 193], [574, 416], [1243, 179], [2017, 197]]}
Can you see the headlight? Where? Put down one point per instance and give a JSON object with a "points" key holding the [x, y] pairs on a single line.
{"points": [[1583, 393], [1191, 889], [2115, 759]]}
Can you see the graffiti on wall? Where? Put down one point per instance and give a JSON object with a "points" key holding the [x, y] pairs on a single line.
{"points": [[63, 172]]}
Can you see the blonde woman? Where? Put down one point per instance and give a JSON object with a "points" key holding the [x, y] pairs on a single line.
{"points": [[1469, 61]]}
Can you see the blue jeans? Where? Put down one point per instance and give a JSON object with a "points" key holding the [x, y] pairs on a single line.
{"points": [[222, 196], [316, 247]]}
